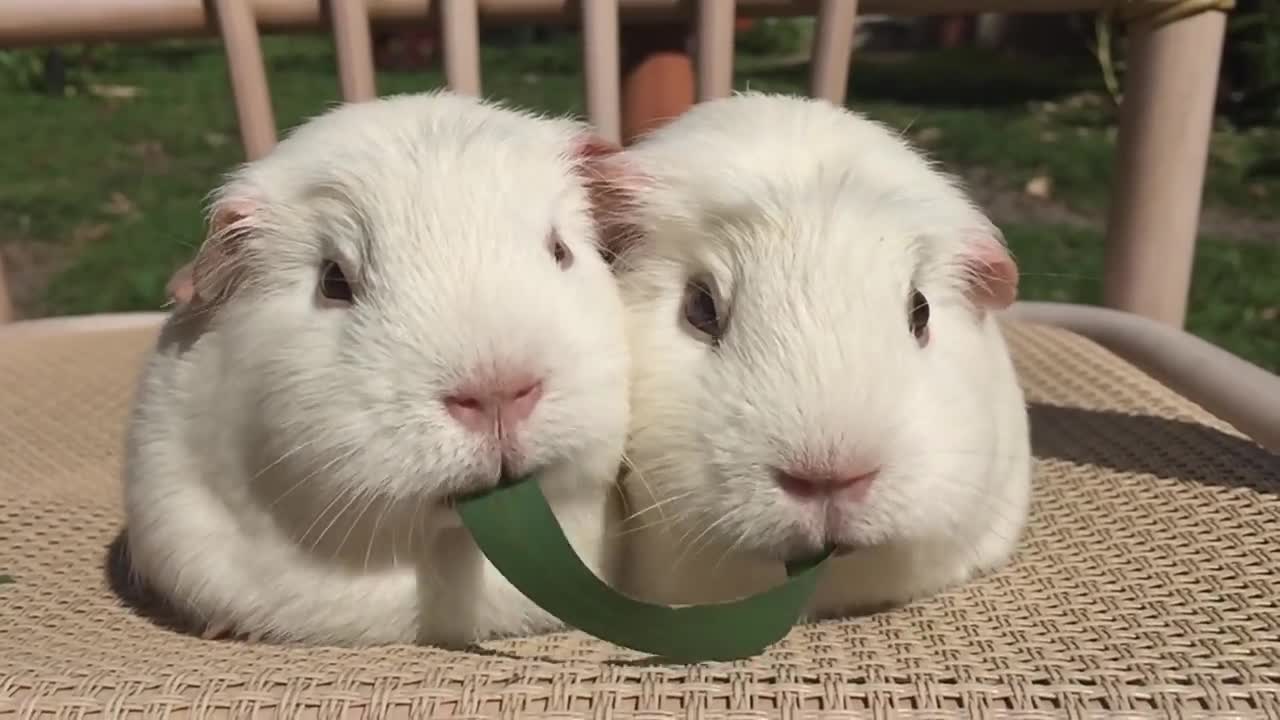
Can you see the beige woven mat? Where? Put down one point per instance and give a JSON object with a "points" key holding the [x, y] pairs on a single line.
{"points": [[1149, 584]]}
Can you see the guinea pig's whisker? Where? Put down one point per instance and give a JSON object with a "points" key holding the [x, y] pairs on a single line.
{"points": [[639, 528], [663, 517], [396, 555], [352, 525], [343, 494], [656, 523], [353, 498], [653, 464], [733, 547], [337, 459], [1070, 276], [632, 469], [907, 128], [410, 527], [649, 489], [373, 534], [690, 547], [626, 462], [283, 456], [660, 466], [962, 453], [658, 505]]}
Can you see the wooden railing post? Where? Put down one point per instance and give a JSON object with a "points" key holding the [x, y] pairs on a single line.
{"points": [[714, 51], [248, 73], [601, 67], [353, 42], [460, 35], [833, 50], [1165, 125], [6, 303]]}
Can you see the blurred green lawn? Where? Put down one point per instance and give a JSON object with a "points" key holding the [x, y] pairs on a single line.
{"points": [[115, 185]]}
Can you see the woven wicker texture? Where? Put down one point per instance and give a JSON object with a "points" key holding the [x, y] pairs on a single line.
{"points": [[1149, 584]]}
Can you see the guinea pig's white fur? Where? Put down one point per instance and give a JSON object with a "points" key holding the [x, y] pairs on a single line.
{"points": [[288, 459], [816, 224]]}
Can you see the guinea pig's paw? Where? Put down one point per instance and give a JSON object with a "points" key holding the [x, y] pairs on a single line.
{"points": [[224, 629], [954, 578], [218, 630]]}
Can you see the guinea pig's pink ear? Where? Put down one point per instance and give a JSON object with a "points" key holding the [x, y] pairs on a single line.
{"points": [[180, 289], [221, 263], [992, 272], [612, 185]]}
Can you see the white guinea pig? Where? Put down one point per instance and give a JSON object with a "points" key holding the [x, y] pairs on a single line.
{"points": [[816, 362], [402, 299]]}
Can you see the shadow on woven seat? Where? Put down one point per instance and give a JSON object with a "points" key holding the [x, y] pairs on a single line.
{"points": [[1163, 447]]}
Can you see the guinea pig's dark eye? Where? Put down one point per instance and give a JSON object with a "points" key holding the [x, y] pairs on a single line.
{"points": [[918, 312], [561, 252], [700, 310], [333, 283]]}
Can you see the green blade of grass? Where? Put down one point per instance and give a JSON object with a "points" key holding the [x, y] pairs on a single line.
{"points": [[517, 531]]}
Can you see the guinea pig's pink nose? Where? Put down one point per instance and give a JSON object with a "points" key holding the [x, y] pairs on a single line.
{"points": [[497, 407], [808, 484]]}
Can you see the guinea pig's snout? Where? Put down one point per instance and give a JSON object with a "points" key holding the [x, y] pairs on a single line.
{"points": [[496, 407], [808, 483]]}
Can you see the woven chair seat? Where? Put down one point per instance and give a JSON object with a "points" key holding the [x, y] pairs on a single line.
{"points": [[1148, 583]]}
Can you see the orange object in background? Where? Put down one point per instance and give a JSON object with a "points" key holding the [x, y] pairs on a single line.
{"points": [[412, 48], [954, 31], [657, 77]]}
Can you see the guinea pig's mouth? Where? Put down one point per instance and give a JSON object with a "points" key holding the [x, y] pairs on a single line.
{"points": [[806, 552], [810, 542], [841, 549], [479, 486]]}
